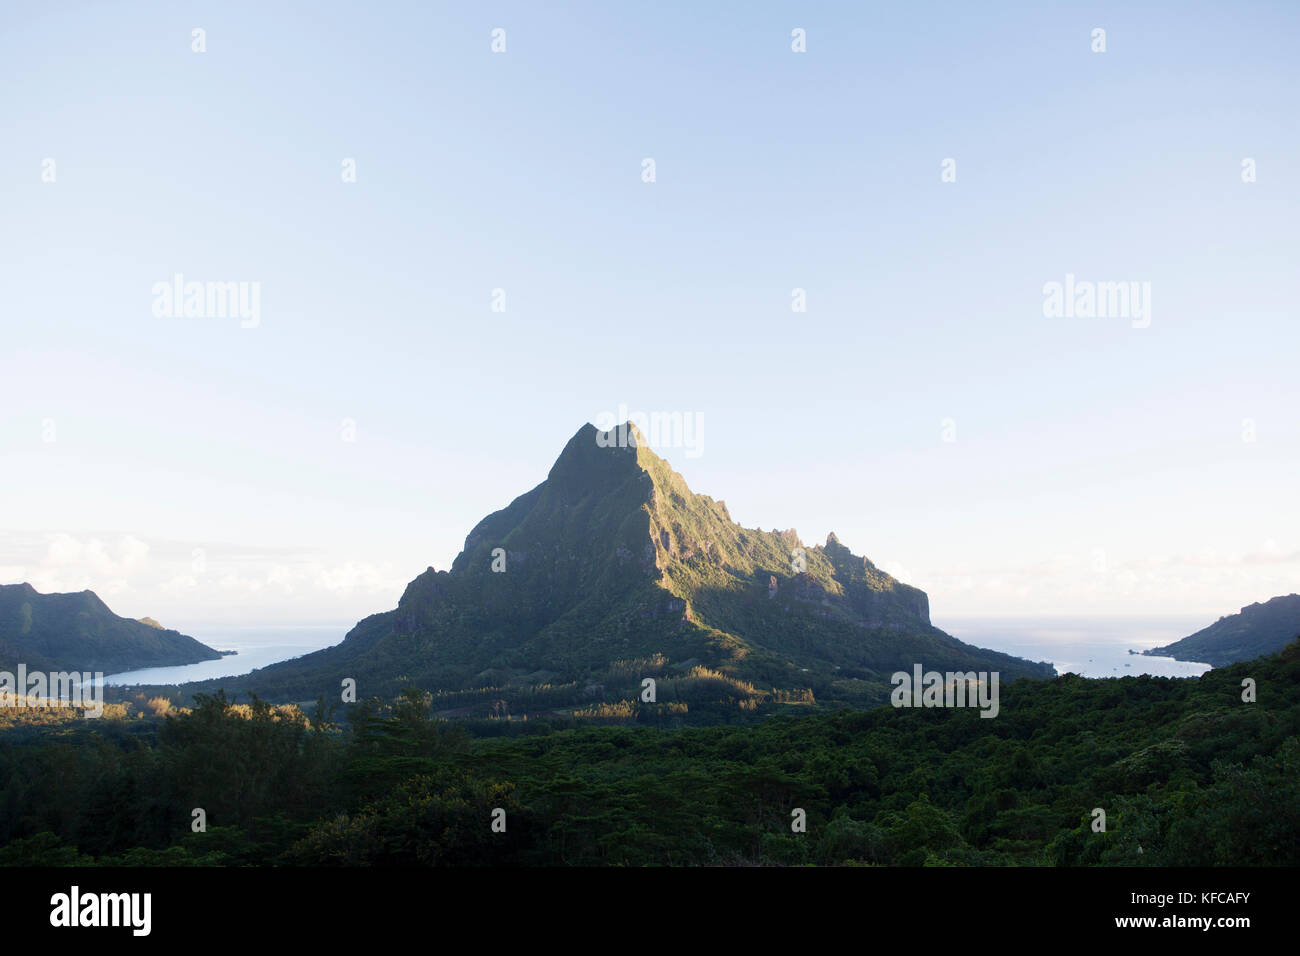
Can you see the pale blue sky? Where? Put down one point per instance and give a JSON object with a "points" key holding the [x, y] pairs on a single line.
{"points": [[1098, 468]]}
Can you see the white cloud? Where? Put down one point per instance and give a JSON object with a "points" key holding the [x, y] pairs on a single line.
{"points": [[231, 583], [1196, 581]]}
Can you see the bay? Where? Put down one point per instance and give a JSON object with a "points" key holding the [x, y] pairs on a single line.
{"points": [[1090, 647], [258, 645]]}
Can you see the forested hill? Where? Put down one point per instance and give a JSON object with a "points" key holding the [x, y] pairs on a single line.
{"points": [[1187, 772], [612, 570], [1257, 630], [77, 631]]}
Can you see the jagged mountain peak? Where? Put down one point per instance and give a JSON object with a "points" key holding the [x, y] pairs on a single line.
{"points": [[612, 516], [613, 558], [594, 461]]}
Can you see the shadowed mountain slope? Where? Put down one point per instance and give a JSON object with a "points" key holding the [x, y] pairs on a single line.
{"points": [[53, 632], [613, 570], [1256, 631]]}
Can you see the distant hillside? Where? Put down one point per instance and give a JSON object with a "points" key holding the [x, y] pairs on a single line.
{"points": [[79, 632], [1258, 630], [613, 570]]}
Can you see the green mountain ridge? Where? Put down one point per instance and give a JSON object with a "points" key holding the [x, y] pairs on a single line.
{"points": [[612, 570], [1257, 630], [77, 631]]}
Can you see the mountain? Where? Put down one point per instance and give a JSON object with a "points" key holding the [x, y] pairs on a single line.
{"points": [[1258, 630], [61, 632], [613, 570]]}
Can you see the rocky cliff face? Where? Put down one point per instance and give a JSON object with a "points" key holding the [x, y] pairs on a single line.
{"points": [[614, 558]]}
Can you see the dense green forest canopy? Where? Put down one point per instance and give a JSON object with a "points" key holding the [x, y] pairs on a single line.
{"points": [[1187, 772]]}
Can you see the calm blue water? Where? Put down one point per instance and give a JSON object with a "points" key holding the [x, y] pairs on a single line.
{"points": [[258, 646], [1090, 647]]}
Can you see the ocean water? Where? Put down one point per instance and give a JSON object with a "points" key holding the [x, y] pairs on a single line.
{"points": [[1090, 647], [258, 646]]}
